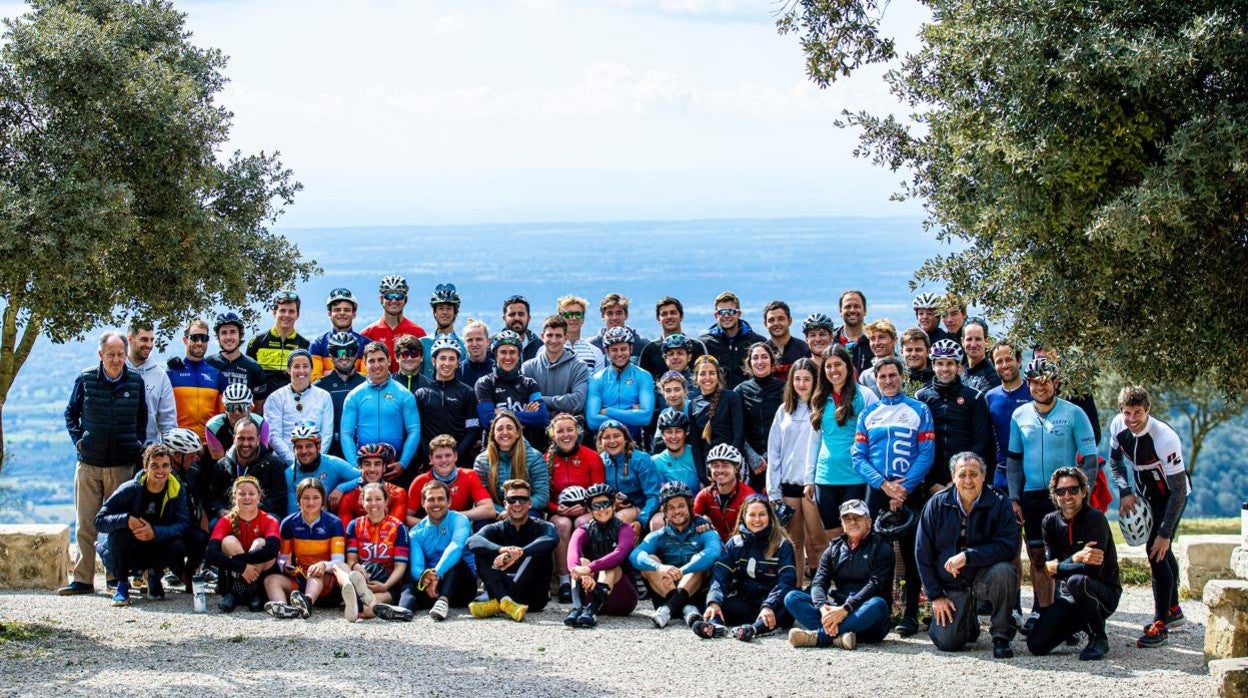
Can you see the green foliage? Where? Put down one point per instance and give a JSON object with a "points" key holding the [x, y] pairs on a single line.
{"points": [[1094, 158], [14, 631]]}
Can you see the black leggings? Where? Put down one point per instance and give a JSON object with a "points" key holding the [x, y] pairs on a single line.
{"points": [[1090, 603], [527, 583], [134, 556], [739, 610], [877, 502], [459, 586], [1166, 572]]}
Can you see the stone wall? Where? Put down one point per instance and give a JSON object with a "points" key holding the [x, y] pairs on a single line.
{"points": [[34, 556]]}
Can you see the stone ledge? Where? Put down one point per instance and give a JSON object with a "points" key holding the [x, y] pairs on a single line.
{"points": [[1203, 558], [1239, 562], [1226, 629], [1230, 676], [34, 556]]}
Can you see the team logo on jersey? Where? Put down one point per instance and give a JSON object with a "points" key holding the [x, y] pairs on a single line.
{"points": [[961, 400], [388, 396]]}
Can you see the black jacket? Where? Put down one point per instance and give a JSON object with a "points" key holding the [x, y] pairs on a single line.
{"points": [[107, 419], [962, 423], [1063, 538], [759, 401], [731, 351], [448, 408], [851, 577], [991, 530], [727, 426], [268, 469]]}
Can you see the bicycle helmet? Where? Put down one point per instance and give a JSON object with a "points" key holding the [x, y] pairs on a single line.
{"points": [[784, 513], [444, 294], [670, 418], [181, 440], [384, 451], [573, 495], [343, 340], [675, 341], [817, 321], [672, 490], [227, 318], [376, 572], [1040, 367], [927, 300], [393, 282], [1135, 527], [599, 489], [341, 294], [306, 431], [444, 342], [726, 452], [945, 349], [892, 525], [617, 335], [504, 338], [236, 394]]}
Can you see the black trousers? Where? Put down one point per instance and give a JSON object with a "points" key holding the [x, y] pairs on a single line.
{"points": [[134, 556], [741, 610], [459, 586], [527, 582], [1086, 606], [877, 502]]}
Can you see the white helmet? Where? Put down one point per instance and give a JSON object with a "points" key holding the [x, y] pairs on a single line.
{"points": [[926, 300], [180, 440], [236, 394], [726, 452], [1136, 526]]}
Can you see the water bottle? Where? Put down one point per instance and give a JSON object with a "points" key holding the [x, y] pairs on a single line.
{"points": [[198, 586]]}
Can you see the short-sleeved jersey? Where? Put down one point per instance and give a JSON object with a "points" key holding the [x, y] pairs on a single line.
{"points": [[259, 528], [1051, 441], [309, 543], [466, 491], [1154, 453], [385, 543]]}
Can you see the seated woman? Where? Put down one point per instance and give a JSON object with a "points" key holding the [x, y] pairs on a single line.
{"points": [[377, 557], [751, 578], [145, 520], [373, 459], [571, 464], [244, 547], [312, 541], [508, 456], [596, 554], [851, 596], [219, 432], [631, 473]]}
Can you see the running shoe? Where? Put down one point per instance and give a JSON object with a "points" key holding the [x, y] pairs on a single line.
{"points": [[587, 618], [484, 609], [662, 616], [1175, 618], [514, 611], [690, 614], [1096, 650], [573, 618], [122, 596], [350, 604], [1156, 635], [301, 602], [440, 610], [390, 612], [907, 627], [362, 592], [277, 609], [744, 633]]}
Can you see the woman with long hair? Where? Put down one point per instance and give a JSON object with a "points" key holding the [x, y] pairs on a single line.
{"points": [[571, 464], [761, 395], [630, 472], [715, 413], [313, 540], [788, 455], [831, 479], [506, 456], [244, 547]]}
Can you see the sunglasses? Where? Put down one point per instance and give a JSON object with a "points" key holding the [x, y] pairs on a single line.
{"points": [[517, 499], [573, 315], [394, 296], [515, 299], [198, 337], [599, 506], [298, 401], [409, 354], [727, 312], [1067, 491], [444, 288], [343, 354], [287, 297], [340, 291], [237, 407]]}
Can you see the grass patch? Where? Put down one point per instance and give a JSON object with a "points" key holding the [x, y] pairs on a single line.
{"points": [[13, 631]]}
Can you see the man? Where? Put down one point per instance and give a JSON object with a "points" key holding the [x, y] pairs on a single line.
{"points": [[675, 461], [671, 315], [334, 473], [197, 385], [720, 502], [248, 457], [343, 350], [953, 315], [516, 316], [236, 366], [411, 353], [162, 413], [1003, 400], [915, 348], [1156, 475], [730, 338], [1081, 555], [379, 410], [676, 560], [572, 308], [778, 320], [448, 407], [513, 558], [561, 378], [882, 336], [1045, 434], [341, 307], [195, 479], [392, 325], [959, 415], [614, 313], [478, 362], [671, 391], [465, 491], [273, 349], [444, 304], [965, 542], [1085, 401], [927, 307], [893, 451], [980, 372], [106, 418], [220, 429], [621, 390], [441, 576], [817, 328], [851, 334], [508, 389]]}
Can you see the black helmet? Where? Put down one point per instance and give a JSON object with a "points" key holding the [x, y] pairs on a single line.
{"points": [[444, 294], [669, 418], [817, 321], [672, 490], [599, 489], [784, 513], [892, 525], [227, 318]]}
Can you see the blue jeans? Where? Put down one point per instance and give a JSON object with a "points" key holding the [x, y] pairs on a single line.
{"points": [[870, 621]]}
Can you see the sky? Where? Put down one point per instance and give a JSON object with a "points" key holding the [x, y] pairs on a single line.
{"points": [[476, 111]]}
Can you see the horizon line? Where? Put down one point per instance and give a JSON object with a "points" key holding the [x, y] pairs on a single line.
{"points": [[479, 224]]}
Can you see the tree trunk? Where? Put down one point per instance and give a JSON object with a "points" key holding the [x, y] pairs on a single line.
{"points": [[13, 354]]}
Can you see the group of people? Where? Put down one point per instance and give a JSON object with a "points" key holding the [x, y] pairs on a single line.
{"points": [[744, 484]]}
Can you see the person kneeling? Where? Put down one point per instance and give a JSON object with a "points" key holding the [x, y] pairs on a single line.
{"points": [[850, 596], [596, 554], [244, 546], [1081, 556], [513, 558], [675, 560]]}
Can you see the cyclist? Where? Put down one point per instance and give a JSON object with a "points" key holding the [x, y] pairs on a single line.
{"points": [[411, 354], [448, 406], [573, 467], [244, 547], [927, 307], [675, 462], [716, 416], [248, 456], [721, 500], [197, 384], [761, 395], [562, 379], [730, 338], [272, 349], [391, 325], [295, 403], [778, 320], [442, 575], [620, 391], [614, 312], [508, 457], [506, 388], [219, 431], [835, 406], [478, 362], [467, 495], [631, 473], [444, 303], [851, 334], [675, 561], [334, 474], [236, 366], [513, 558], [817, 328], [378, 552], [671, 315], [313, 541], [343, 349], [379, 410], [340, 306], [596, 556], [959, 414], [373, 459]]}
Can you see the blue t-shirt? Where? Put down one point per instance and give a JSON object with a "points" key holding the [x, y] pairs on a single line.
{"points": [[1001, 406], [682, 469], [1051, 441]]}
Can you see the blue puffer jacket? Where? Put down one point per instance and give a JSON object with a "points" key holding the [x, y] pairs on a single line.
{"points": [[636, 479], [534, 465], [689, 550], [745, 569]]}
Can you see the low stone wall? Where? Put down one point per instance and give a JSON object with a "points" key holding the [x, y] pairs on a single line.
{"points": [[1203, 558], [34, 556]]}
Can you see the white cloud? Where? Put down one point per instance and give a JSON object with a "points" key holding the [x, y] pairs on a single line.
{"points": [[450, 24]]}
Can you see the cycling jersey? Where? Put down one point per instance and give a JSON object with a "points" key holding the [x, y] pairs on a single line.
{"points": [[1001, 406], [381, 413], [583, 467], [338, 389], [197, 388], [961, 422], [307, 543], [381, 332], [721, 510], [449, 407], [334, 474], [271, 350], [617, 391], [894, 439], [1044, 443], [689, 550], [635, 478], [351, 506], [245, 370], [323, 363], [678, 468], [1157, 471], [384, 542], [465, 485], [831, 461], [439, 546]]}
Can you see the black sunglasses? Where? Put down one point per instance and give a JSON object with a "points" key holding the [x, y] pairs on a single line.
{"points": [[198, 337], [599, 506], [1067, 491], [444, 288], [517, 499]]}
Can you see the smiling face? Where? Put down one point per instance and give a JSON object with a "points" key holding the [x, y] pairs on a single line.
{"points": [[819, 339], [676, 511], [968, 476], [506, 433], [344, 362], [619, 354], [1006, 363], [342, 315], [444, 315], [554, 338], [837, 373], [803, 384], [410, 361], [566, 435], [574, 313], [669, 318], [435, 503], [613, 440], [158, 469], [229, 338], [442, 460], [778, 323], [856, 526], [927, 319], [1043, 390], [602, 508], [306, 451], [141, 344], [728, 315], [445, 364], [300, 373], [614, 316], [247, 498], [1070, 496], [371, 469], [756, 517], [882, 343], [760, 362], [674, 438], [311, 502], [476, 343], [285, 315], [723, 473], [507, 356], [946, 370], [1135, 417], [707, 377], [378, 366], [974, 343], [374, 500], [518, 505], [888, 378], [674, 393], [676, 359], [853, 309], [393, 303], [914, 353]]}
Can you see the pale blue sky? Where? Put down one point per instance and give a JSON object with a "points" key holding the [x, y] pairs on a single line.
{"points": [[526, 110]]}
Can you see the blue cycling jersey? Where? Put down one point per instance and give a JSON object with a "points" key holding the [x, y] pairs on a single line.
{"points": [[1045, 443]]}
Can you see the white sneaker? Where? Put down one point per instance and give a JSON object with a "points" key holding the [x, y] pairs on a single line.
{"points": [[350, 607], [361, 587], [440, 610], [662, 616]]}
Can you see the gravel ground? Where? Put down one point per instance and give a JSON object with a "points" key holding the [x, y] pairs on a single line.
{"points": [[84, 646]]}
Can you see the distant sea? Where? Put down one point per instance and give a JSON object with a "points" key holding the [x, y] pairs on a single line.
{"points": [[806, 262]]}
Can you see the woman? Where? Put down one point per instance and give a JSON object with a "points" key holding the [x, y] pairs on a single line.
{"points": [[244, 547], [507, 455], [296, 403], [715, 413], [851, 596], [761, 395], [595, 556], [313, 540], [788, 455], [373, 459], [631, 474], [752, 577], [219, 432], [377, 557], [571, 464], [834, 409]]}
